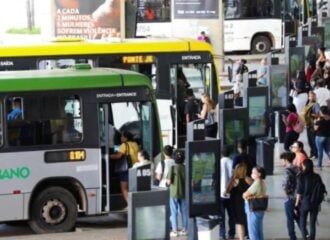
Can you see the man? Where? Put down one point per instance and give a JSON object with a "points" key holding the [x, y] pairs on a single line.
{"points": [[191, 108], [289, 186], [225, 203], [16, 112]]}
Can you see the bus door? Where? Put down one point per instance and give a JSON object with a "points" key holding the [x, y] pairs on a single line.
{"points": [[115, 118], [198, 78]]}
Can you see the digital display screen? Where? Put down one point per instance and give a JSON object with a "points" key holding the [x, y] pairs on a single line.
{"points": [[279, 86], [138, 59], [257, 110], [233, 130], [297, 61], [150, 222], [202, 181]]}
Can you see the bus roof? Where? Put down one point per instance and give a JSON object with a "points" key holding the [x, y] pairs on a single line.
{"points": [[145, 45], [63, 79]]}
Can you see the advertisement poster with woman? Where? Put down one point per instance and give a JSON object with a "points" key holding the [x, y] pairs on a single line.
{"points": [[97, 19]]}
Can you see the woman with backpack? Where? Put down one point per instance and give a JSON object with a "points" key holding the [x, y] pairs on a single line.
{"points": [[308, 200], [290, 134]]}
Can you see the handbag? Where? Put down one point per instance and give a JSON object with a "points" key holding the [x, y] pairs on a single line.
{"points": [[258, 203], [124, 163]]}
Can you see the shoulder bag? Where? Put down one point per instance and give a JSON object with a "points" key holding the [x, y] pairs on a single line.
{"points": [[124, 163], [258, 203]]}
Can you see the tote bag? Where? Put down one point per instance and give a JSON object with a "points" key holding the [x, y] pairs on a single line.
{"points": [[124, 163], [258, 203]]}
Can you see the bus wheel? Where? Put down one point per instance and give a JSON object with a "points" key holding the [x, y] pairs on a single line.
{"points": [[260, 44], [53, 210]]}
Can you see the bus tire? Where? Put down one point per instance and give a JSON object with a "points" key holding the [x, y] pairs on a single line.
{"points": [[261, 45], [53, 210]]}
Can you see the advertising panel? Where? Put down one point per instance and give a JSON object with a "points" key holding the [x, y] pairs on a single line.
{"points": [[97, 19], [207, 9]]}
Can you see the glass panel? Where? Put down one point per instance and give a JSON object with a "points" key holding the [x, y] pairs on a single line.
{"points": [[44, 120], [249, 9], [134, 117], [61, 63], [154, 11]]}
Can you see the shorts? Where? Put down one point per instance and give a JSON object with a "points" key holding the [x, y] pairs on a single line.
{"points": [[123, 176]]}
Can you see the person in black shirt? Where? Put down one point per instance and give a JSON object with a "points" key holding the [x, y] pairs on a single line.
{"points": [[191, 106], [307, 180], [244, 156]]}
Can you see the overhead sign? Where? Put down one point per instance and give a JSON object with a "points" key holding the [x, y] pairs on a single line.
{"points": [[87, 19], [208, 9]]}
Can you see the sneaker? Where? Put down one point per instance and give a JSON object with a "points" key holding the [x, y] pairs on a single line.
{"points": [[183, 232], [173, 234]]}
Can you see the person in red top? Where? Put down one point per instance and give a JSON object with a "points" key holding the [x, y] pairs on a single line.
{"points": [[309, 70], [149, 13], [298, 149], [290, 135]]}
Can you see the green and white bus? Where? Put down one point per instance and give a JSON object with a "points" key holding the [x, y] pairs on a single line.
{"points": [[54, 154]]}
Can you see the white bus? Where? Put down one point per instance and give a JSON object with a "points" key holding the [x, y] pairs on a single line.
{"points": [[252, 25]]}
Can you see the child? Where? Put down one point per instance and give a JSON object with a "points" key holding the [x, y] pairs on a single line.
{"points": [[143, 159], [176, 180], [164, 166]]}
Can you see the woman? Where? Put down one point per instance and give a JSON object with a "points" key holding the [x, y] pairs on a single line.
{"points": [[258, 188], [130, 147], [322, 58], [143, 159], [290, 135], [298, 149], [299, 85], [208, 113], [322, 135], [238, 184], [305, 185]]}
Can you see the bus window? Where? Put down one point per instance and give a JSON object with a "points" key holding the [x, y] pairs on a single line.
{"points": [[48, 120], [154, 11], [249, 8], [48, 64]]}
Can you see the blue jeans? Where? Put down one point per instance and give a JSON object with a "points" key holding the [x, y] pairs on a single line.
{"points": [[322, 143], [254, 222], [177, 205], [289, 212], [226, 204]]}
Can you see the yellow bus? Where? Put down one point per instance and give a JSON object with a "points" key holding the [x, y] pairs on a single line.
{"points": [[163, 60]]}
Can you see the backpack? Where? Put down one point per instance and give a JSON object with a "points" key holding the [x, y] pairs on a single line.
{"points": [[306, 114], [291, 182], [318, 193], [299, 126]]}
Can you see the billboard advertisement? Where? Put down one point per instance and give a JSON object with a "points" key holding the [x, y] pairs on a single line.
{"points": [[97, 19], [198, 9]]}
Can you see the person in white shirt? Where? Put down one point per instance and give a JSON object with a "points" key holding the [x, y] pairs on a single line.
{"points": [[164, 166], [225, 204], [322, 93]]}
